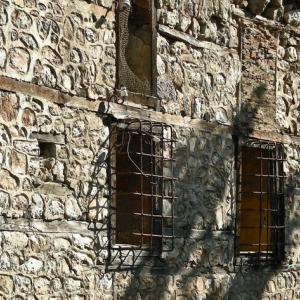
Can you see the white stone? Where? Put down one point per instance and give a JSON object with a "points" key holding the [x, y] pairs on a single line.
{"points": [[161, 67], [37, 207], [82, 241], [15, 240], [4, 200], [5, 262], [61, 244], [28, 147], [32, 265], [293, 17], [6, 284], [72, 208], [54, 209], [23, 283], [42, 285], [3, 56], [19, 59], [7, 180], [59, 171], [291, 54], [72, 284]]}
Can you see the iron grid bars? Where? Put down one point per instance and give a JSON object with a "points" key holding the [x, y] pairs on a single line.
{"points": [[142, 185], [259, 228]]}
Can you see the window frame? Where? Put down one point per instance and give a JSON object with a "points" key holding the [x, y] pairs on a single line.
{"points": [[275, 161], [159, 242], [153, 28]]}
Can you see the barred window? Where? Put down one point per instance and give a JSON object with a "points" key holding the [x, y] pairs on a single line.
{"points": [[142, 185], [136, 46], [260, 207]]}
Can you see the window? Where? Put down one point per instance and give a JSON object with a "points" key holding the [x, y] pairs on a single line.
{"points": [[136, 46], [142, 185], [47, 150], [260, 207]]}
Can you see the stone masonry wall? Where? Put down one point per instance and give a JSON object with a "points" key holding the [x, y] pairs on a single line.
{"points": [[58, 44], [54, 204]]}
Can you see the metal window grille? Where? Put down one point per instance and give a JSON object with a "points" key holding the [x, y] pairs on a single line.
{"points": [[259, 228], [141, 185], [136, 46]]}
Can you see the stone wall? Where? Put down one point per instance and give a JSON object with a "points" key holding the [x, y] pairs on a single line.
{"points": [[54, 202], [59, 44]]}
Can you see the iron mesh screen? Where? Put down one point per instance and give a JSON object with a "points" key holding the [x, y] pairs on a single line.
{"points": [[136, 40]]}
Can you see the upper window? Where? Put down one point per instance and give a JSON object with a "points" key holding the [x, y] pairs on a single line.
{"points": [[260, 207], [142, 185], [136, 46]]}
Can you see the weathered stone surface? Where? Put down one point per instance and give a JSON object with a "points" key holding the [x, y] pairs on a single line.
{"points": [[54, 209], [28, 117], [7, 181], [15, 240], [4, 200], [21, 19], [19, 59], [32, 265], [72, 209], [42, 286], [28, 40], [23, 284], [3, 56], [37, 206], [72, 284], [20, 204], [6, 284], [8, 107], [292, 17], [56, 241], [28, 147]]}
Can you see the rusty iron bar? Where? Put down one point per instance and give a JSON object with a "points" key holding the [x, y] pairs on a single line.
{"points": [[159, 156], [270, 252]]}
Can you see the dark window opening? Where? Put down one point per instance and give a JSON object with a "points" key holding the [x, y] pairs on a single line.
{"points": [[260, 207], [142, 185], [47, 150], [136, 46]]}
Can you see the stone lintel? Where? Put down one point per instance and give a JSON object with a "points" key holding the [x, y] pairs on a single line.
{"points": [[54, 189], [49, 138]]}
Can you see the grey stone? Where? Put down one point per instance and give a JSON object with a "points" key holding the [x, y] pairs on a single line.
{"points": [[54, 209], [72, 284], [21, 19]]}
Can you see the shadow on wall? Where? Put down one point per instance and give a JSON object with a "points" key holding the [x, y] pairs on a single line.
{"points": [[201, 265]]}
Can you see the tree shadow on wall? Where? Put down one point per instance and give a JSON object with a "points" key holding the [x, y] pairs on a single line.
{"points": [[201, 265]]}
